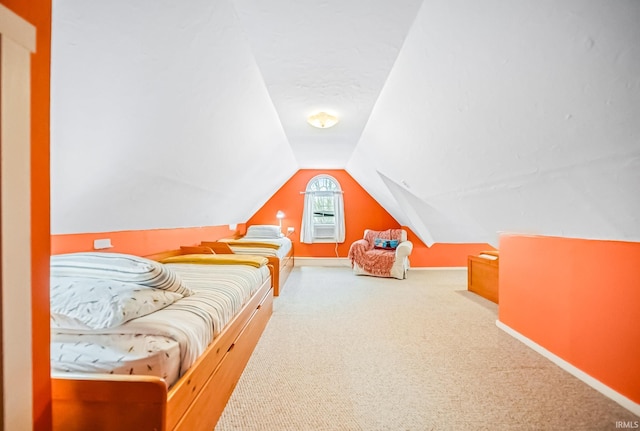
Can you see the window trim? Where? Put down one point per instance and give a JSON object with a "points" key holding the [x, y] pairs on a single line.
{"points": [[309, 213]]}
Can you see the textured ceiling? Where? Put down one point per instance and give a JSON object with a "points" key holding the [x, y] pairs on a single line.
{"points": [[331, 56]]}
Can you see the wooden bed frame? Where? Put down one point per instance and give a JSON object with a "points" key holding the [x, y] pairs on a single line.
{"points": [[196, 400], [482, 275], [282, 266]]}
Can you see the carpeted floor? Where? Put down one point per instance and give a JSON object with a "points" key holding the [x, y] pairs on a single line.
{"points": [[346, 352]]}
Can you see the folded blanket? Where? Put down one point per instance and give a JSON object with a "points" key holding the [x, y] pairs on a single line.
{"points": [[374, 261], [253, 244], [218, 259]]}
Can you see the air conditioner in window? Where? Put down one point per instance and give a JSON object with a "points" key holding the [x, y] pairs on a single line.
{"points": [[325, 231]]}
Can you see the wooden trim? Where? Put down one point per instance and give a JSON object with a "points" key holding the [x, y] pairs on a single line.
{"points": [[17, 29], [282, 269], [164, 254], [195, 249], [482, 277], [76, 402], [286, 266], [17, 42], [218, 247]]}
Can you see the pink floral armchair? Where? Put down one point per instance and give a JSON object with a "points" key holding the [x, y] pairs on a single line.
{"points": [[381, 253]]}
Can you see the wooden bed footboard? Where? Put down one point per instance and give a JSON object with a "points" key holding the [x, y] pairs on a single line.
{"points": [[482, 276], [284, 266], [109, 402], [195, 402]]}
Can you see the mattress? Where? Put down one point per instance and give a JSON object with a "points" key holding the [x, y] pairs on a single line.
{"points": [[116, 354], [167, 342], [284, 244]]}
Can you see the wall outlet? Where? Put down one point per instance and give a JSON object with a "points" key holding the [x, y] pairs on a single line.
{"points": [[290, 229], [99, 244]]}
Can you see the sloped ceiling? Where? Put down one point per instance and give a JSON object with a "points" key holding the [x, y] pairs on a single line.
{"points": [[160, 118], [331, 56], [513, 116], [462, 118]]}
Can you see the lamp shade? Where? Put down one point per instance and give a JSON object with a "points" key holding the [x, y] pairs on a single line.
{"points": [[280, 215], [322, 120]]}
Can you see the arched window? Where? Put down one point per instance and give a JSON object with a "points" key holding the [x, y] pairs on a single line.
{"points": [[323, 216]]}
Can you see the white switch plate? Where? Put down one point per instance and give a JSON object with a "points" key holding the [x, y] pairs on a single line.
{"points": [[99, 244], [290, 229]]}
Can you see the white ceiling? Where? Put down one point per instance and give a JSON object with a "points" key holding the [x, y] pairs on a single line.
{"points": [[462, 118], [331, 56]]}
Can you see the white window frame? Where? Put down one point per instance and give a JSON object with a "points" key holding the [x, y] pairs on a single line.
{"points": [[323, 200]]}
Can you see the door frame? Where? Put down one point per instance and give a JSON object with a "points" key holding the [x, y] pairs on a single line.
{"points": [[17, 42]]}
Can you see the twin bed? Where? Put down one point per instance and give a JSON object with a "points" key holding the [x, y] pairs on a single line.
{"points": [[261, 240], [154, 343]]}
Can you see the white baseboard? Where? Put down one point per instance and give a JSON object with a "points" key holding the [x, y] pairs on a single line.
{"points": [[437, 268], [344, 261], [625, 402], [322, 261]]}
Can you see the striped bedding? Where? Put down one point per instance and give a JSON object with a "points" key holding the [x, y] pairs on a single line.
{"points": [[167, 342], [283, 250]]}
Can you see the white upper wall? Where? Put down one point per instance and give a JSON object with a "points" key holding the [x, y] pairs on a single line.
{"points": [[489, 116], [160, 118], [511, 116]]}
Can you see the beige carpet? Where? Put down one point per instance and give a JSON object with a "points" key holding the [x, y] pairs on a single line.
{"points": [[346, 352]]}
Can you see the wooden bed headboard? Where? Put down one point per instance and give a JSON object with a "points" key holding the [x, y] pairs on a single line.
{"points": [[186, 249]]}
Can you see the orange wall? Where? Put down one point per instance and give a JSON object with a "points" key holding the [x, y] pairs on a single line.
{"points": [[361, 212], [38, 13], [442, 254], [140, 242], [579, 299], [360, 209]]}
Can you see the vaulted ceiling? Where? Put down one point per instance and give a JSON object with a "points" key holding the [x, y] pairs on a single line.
{"points": [[462, 118], [325, 56]]}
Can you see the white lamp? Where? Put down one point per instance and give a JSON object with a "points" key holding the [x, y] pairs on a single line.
{"points": [[322, 120], [280, 216]]}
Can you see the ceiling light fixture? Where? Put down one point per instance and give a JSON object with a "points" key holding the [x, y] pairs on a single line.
{"points": [[322, 120]]}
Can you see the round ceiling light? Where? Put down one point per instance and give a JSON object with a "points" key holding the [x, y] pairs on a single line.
{"points": [[322, 120]]}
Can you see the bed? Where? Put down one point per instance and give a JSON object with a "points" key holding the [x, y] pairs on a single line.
{"points": [[179, 364], [482, 274], [261, 240]]}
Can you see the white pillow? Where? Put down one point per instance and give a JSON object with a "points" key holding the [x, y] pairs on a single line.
{"points": [[121, 267], [263, 231], [92, 303]]}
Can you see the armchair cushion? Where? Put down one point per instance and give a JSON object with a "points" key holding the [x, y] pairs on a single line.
{"points": [[385, 244]]}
